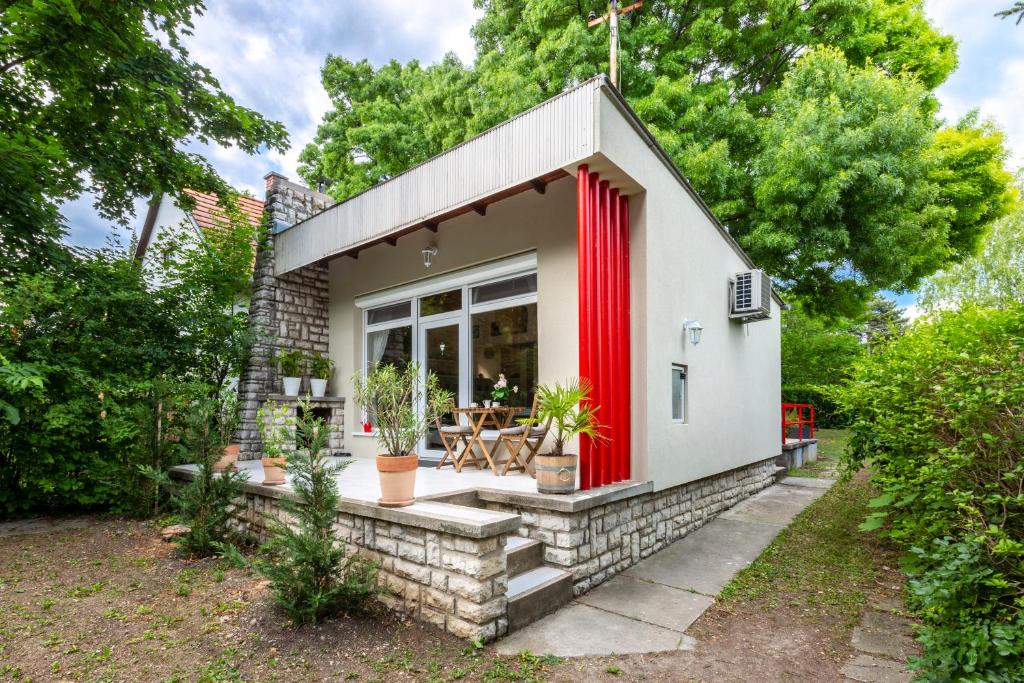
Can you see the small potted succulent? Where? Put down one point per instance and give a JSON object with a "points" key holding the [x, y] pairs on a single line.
{"points": [[393, 397], [501, 393], [291, 363], [570, 414], [320, 370], [277, 429]]}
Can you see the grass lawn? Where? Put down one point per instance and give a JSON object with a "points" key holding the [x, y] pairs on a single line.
{"points": [[112, 602], [831, 444]]}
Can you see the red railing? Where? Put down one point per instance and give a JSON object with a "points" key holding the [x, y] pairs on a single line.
{"points": [[797, 415]]}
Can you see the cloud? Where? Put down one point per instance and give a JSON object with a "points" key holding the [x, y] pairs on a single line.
{"points": [[267, 55], [990, 76]]}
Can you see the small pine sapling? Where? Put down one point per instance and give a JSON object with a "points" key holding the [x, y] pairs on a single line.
{"points": [[206, 503], [311, 574]]}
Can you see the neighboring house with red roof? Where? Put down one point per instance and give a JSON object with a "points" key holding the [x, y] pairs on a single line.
{"points": [[165, 214]]}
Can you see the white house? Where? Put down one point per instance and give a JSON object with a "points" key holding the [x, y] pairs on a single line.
{"points": [[561, 243]]}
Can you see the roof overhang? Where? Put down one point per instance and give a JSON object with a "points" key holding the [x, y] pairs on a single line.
{"points": [[526, 152]]}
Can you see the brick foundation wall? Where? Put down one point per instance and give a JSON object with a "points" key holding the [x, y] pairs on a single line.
{"points": [[596, 544]]}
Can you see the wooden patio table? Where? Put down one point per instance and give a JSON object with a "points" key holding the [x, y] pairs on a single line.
{"points": [[479, 417]]}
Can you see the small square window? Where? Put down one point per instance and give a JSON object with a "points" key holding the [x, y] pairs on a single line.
{"points": [[678, 393]]}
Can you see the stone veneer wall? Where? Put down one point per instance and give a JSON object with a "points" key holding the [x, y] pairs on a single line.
{"points": [[598, 543], [455, 582], [290, 310]]}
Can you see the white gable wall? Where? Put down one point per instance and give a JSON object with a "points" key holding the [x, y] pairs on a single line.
{"points": [[680, 267]]}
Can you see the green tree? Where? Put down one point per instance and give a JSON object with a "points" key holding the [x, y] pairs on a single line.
{"points": [[1016, 9], [101, 96], [884, 321], [818, 353], [122, 359], [306, 562], [853, 202], [992, 279]]}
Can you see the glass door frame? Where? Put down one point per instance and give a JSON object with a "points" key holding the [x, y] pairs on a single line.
{"points": [[460, 320]]}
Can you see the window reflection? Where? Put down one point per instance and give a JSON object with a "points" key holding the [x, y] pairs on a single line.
{"points": [[505, 342]]}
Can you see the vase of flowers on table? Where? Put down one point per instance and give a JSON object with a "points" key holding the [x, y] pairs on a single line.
{"points": [[501, 392]]}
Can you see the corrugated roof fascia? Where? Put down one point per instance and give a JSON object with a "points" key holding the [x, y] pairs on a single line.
{"points": [[452, 149]]}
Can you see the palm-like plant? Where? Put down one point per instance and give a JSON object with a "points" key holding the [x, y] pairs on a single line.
{"points": [[570, 412]]}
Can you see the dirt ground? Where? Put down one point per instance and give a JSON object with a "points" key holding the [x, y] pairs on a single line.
{"points": [[111, 602]]}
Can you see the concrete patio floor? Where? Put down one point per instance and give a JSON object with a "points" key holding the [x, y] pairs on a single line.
{"points": [[649, 607]]}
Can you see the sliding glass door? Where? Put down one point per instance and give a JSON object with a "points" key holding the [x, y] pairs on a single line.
{"points": [[466, 330]]}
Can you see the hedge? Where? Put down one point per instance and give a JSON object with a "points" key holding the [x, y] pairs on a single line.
{"points": [[938, 415]]}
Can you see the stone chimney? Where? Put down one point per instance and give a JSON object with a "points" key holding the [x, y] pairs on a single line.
{"points": [[290, 310]]}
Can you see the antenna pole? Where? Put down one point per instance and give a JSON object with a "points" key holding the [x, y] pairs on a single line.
{"points": [[613, 43]]}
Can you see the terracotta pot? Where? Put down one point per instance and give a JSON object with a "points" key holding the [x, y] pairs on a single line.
{"points": [[556, 473], [228, 460], [291, 385], [397, 479], [318, 387], [273, 471]]}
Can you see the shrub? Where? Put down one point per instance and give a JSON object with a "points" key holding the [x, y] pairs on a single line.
{"points": [[310, 573], [205, 503], [939, 413]]}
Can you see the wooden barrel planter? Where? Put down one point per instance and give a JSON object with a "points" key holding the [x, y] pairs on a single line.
{"points": [[556, 473]]}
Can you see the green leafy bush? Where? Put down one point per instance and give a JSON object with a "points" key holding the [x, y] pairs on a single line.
{"points": [[205, 504], [311, 575], [827, 414], [939, 414]]}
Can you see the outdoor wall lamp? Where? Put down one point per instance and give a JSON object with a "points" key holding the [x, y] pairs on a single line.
{"points": [[429, 252], [695, 330]]}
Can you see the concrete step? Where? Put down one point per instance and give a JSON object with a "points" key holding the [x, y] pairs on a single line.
{"points": [[536, 593], [523, 554]]}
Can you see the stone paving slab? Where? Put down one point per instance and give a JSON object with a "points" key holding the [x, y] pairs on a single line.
{"points": [[868, 669], [581, 630], [708, 558], [778, 509], [885, 634], [652, 603], [809, 482]]}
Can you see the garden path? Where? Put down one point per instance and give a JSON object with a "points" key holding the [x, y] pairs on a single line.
{"points": [[649, 607]]}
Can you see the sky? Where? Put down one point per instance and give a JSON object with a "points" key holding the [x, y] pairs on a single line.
{"points": [[267, 55]]}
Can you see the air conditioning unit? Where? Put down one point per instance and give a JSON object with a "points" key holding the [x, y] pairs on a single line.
{"points": [[750, 296]]}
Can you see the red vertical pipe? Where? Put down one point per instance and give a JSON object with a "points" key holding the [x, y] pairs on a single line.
{"points": [[582, 264], [607, 381], [626, 391], [592, 318], [614, 347]]}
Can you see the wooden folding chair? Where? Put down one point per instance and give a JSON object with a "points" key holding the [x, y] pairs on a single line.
{"points": [[529, 436], [451, 437]]}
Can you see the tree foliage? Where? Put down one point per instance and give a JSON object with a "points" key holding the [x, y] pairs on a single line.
{"points": [[810, 128], [310, 573], [101, 96], [938, 414], [884, 321], [992, 279], [120, 358], [817, 353]]}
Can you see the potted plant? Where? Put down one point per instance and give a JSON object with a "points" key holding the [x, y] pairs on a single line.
{"points": [[277, 429], [501, 393], [393, 397], [227, 421], [320, 370], [291, 370], [570, 415]]}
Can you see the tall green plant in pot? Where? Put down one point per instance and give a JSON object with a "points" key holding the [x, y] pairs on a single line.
{"points": [[320, 370], [291, 363], [567, 409], [402, 406]]}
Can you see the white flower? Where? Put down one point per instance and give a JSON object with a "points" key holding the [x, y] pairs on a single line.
{"points": [[515, 389]]}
